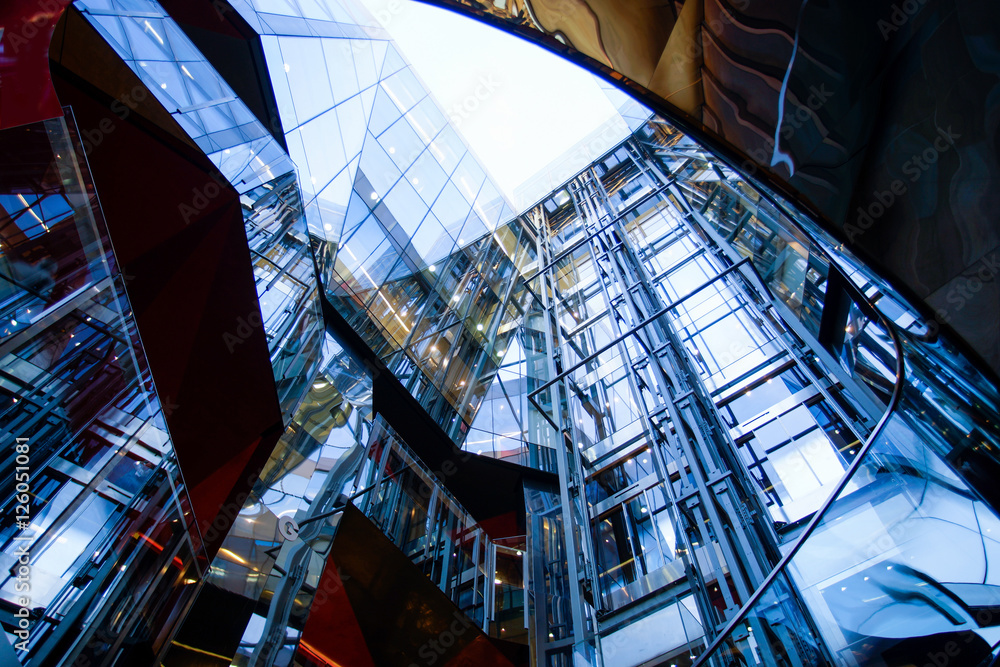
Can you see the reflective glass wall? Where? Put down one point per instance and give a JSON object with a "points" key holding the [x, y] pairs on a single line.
{"points": [[250, 160], [717, 368], [99, 549], [695, 368]]}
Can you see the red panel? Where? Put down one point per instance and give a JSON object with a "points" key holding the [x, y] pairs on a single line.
{"points": [[504, 525], [479, 653], [26, 92], [189, 278], [332, 636]]}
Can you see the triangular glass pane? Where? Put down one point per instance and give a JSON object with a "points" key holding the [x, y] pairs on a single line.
{"points": [[179, 44], [367, 100], [384, 113], [326, 150], [357, 211], [378, 55], [340, 68], [332, 203], [367, 73], [111, 29], [305, 69], [146, 39], [350, 115], [393, 62]]}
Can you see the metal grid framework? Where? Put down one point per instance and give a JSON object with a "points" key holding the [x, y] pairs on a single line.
{"points": [[701, 419]]}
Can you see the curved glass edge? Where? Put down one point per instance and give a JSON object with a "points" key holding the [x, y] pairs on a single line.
{"points": [[99, 550], [895, 566]]}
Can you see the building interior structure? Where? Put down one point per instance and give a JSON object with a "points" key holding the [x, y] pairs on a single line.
{"points": [[287, 380]]}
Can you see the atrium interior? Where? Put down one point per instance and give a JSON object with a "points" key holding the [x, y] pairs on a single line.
{"points": [[287, 379]]}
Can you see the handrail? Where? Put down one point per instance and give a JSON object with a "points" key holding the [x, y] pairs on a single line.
{"points": [[819, 515]]}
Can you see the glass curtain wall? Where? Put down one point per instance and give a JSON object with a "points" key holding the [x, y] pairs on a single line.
{"points": [[276, 552], [250, 160], [699, 367]]}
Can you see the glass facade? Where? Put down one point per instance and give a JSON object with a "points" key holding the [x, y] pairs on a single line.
{"points": [[97, 521], [714, 436]]}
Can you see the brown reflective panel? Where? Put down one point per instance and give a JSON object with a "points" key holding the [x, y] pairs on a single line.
{"points": [[403, 617]]}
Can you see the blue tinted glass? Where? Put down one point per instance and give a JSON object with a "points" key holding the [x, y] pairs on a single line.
{"points": [[401, 143], [178, 42], [332, 204], [367, 100], [53, 207], [378, 54], [431, 242], [375, 268], [296, 151], [426, 177], [448, 149], [304, 66], [393, 62], [337, 12], [205, 83], [311, 9], [506, 214], [146, 37], [468, 177], [340, 63], [214, 119], [357, 211], [362, 242], [380, 171], [275, 7], [451, 209], [364, 62], [474, 229], [489, 204], [350, 114], [279, 82], [112, 30], [406, 206], [325, 150], [404, 89], [384, 113], [164, 79], [426, 119]]}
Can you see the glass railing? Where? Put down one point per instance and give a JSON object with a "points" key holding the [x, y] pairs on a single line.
{"points": [[411, 506], [97, 551]]}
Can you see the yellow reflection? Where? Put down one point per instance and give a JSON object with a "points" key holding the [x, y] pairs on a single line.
{"points": [[233, 557]]}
